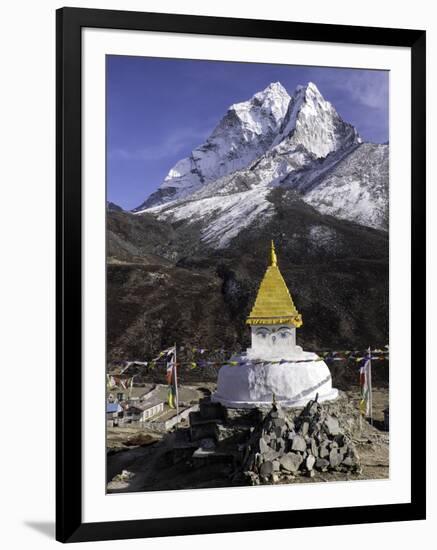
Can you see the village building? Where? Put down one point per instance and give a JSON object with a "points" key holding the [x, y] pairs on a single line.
{"points": [[114, 412], [118, 393], [141, 411], [274, 367]]}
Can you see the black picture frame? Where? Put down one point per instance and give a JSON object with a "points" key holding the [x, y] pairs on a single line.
{"points": [[69, 25]]}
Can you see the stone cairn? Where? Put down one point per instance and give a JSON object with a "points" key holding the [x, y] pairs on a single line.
{"points": [[283, 447]]}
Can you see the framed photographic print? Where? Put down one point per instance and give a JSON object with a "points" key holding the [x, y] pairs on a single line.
{"points": [[241, 269]]}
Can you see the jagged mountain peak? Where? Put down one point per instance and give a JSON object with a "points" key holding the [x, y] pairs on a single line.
{"points": [[312, 122], [312, 98], [309, 93], [272, 93], [249, 130], [311, 89], [245, 133], [262, 113], [274, 87], [298, 142]]}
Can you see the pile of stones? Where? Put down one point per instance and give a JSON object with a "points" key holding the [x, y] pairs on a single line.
{"points": [[285, 446]]}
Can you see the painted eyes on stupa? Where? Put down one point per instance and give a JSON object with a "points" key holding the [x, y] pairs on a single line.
{"points": [[281, 332], [284, 332]]}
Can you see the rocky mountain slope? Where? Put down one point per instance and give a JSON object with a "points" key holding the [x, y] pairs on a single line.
{"points": [[356, 188], [185, 266], [166, 284], [272, 140], [246, 131]]}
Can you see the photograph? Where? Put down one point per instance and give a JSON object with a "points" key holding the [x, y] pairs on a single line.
{"points": [[216, 231], [247, 274]]}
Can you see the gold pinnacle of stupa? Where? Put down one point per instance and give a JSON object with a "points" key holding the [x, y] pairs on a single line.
{"points": [[274, 304]]}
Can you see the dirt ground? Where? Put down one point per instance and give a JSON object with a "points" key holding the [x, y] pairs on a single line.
{"points": [[152, 470]]}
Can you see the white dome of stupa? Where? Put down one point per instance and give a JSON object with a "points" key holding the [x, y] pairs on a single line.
{"points": [[274, 367]]}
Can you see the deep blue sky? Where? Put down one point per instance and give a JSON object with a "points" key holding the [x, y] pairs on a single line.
{"points": [[158, 110]]}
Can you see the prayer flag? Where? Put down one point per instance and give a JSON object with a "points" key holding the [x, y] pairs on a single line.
{"points": [[366, 386], [171, 377]]}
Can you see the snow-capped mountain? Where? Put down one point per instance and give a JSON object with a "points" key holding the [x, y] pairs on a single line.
{"points": [[245, 132], [271, 140], [356, 189]]}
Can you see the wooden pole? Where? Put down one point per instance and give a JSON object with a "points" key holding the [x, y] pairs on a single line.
{"points": [[130, 386], [370, 386], [176, 386]]}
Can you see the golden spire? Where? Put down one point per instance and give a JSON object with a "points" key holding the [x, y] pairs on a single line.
{"points": [[274, 304], [273, 260]]}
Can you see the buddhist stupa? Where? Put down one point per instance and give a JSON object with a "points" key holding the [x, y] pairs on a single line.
{"points": [[274, 367]]}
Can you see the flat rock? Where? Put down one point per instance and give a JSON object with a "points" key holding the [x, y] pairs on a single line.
{"points": [[270, 454], [299, 444], [324, 452], [334, 458], [263, 446], [266, 468], [290, 462], [117, 485], [348, 461], [310, 461], [322, 463], [332, 425], [202, 452]]}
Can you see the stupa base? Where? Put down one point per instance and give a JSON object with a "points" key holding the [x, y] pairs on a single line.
{"points": [[290, 404], [293, 384]]}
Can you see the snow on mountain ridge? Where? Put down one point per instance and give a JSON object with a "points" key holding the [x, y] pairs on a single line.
{"points": [[245, 132], [274, 139], [356, 189], [293, 153], [222, 216], [270, 103], [313, 122], [270, 120], [290, 118]]}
